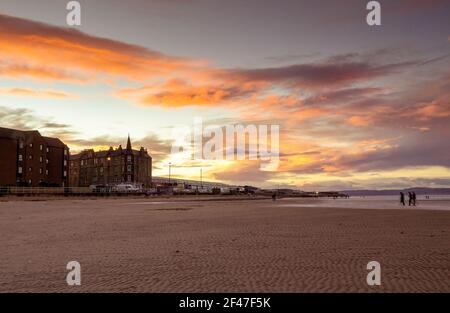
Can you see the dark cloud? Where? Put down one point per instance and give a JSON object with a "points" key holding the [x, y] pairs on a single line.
{"points": [[414, 149], [55, 125], [338, 71], [291, 58], [159, 149], [342, 96], [23, 119]]}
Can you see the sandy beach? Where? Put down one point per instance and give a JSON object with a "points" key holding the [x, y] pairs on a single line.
{"points": [[191, 245]]}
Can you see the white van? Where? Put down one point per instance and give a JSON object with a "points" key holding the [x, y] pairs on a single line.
{"points": [[126, 188]]}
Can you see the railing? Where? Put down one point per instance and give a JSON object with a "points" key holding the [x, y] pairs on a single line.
{"points": [[60, 190], [44, 190], [106, 191]]}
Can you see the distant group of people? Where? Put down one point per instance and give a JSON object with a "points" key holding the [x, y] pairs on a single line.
{"points": [[411, 198]]}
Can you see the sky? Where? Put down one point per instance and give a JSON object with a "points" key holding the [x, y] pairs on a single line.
{"points": [[358, 106]]}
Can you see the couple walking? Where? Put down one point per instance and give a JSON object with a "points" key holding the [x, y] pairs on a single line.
{"points": [[411, 198]]}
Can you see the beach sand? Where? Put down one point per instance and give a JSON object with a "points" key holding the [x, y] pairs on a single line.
{"points": [[179, 245]]}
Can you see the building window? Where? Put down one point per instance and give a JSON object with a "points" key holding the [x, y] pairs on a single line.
{"points": [[129, 178], [65, 162], [30, 157], [46, 161], [65, 173], [40, 170], [46, 172], [47, 149], [128, 168], [101, 169], [129, 158], [30, 169], [40, 159], [20, 145], [31, 145], [20, 157], [65, 151], [41, 147], [30, 181], [19, 170]]}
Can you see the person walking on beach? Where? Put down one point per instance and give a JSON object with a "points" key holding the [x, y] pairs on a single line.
{"points": [[414, 197], [409, 198], [402, 198], [274, 196]]}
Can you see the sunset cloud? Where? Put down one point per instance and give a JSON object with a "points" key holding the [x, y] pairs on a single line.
{"points": [[330, 73], [359, 120], [27, 48], [25, 92], [178, 93], [342, 115]]}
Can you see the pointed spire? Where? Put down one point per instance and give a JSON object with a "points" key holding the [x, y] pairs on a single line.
{"points": [[129, 143]]}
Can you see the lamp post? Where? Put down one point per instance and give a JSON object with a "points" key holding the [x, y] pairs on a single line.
{"points": [[108, 162], [170, 164]]}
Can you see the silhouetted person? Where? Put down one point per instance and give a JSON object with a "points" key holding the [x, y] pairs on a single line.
{"points": [[409, 198], [414, 197], [274, 196], [402, 198]]}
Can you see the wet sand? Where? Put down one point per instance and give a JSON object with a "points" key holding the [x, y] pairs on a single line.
{"points": [[179, 245]]}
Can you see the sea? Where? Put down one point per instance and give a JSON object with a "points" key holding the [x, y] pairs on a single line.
{"points": [[433, 202]]}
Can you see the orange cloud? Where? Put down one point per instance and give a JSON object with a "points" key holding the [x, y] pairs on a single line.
{"points": [[32, 49], [434, 109], [178, 93], [35, 93], [359, 121], [27, 48], [422, 128], [35, 71]]}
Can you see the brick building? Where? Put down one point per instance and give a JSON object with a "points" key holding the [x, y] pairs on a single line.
{"points": [[29, 159], [111, 167]]}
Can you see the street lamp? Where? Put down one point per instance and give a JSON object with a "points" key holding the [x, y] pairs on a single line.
{"points": [[170, 164], [108, 159]]}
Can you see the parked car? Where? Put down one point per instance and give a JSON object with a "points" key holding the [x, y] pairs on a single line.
{"points": [[126, 188], [100, 188]]}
